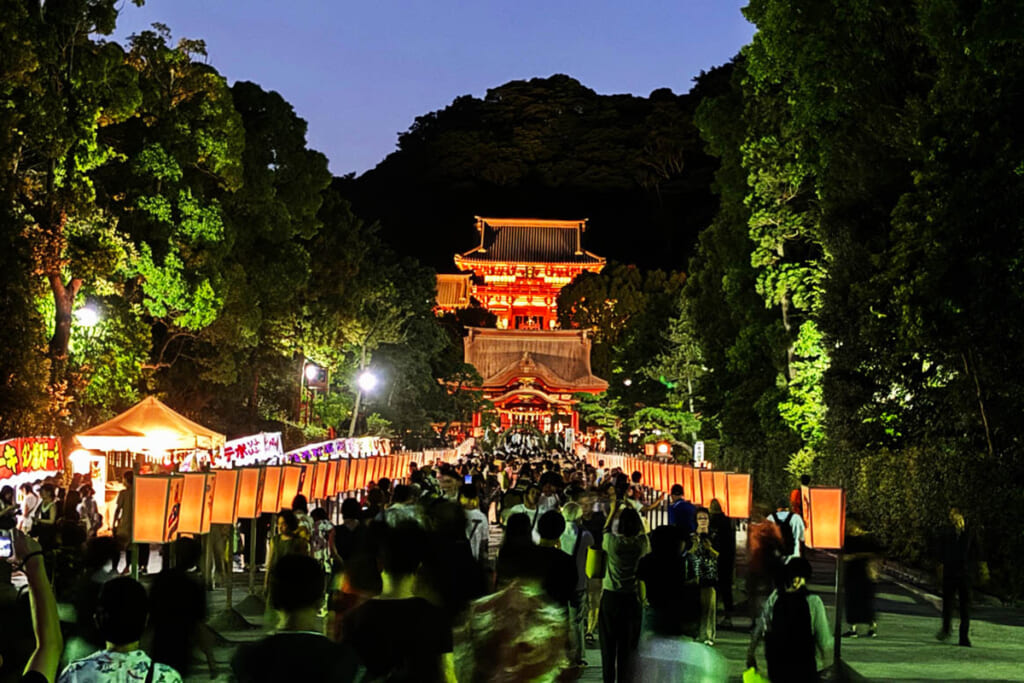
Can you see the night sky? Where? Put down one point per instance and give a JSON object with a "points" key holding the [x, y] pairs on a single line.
{"points": [[360, 72]]}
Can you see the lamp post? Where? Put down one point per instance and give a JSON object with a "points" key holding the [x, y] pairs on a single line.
{"points": [[366, 382]]}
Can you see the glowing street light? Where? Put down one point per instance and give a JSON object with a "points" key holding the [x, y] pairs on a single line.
{"points": [[628, 382], [87, 316], [312, 371], [367, 381]]}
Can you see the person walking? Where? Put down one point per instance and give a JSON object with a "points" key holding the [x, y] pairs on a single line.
{"points": [[794, 627], [961, 551], [620, 619], [297, 651], [723, 539]]}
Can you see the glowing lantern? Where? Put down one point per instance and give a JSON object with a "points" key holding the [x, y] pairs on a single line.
{"points": [[306, 482], [342, 479], [320, 472], [249, 497], [196, 502], [707, 486], [824, 516], [225, 496], [359, 481], [350, 475], [663, 448], [272, 480], [290, 481], [689, 488], [739, 494], [332, 478], [720, 490], [156, 508], [649, 450]]}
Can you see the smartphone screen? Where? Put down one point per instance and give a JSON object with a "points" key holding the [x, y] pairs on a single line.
{"points": [[6, 546], [468, 479]]}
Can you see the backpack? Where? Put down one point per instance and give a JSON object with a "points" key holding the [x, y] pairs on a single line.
{"points": [[788, 540], [789, 642]]}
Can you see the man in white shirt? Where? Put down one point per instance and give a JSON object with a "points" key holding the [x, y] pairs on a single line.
{"points": [[783, 516], [476, 522]]}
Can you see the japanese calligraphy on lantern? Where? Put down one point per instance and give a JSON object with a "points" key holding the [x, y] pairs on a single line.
{"points": [[30, 457]]}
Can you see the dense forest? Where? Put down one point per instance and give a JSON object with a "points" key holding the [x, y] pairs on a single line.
{"points": [[547, 148]]}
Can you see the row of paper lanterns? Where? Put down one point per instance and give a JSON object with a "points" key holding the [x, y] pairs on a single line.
{"points": [[733, 490], [189, 502]]}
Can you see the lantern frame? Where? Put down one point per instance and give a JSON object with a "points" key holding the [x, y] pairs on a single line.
{"points": [[196, 503], [739, 494], [249, 493], [824, 517], [273, 479], [154, 499], [225, 497]]}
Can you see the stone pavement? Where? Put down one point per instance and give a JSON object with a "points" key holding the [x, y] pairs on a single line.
{"points": [[905, 649]]}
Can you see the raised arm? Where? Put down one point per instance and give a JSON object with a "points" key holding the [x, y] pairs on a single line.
{"points": [[45, 622]]}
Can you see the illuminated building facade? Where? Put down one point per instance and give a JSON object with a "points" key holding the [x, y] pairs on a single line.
{"points": [[530, 368]]}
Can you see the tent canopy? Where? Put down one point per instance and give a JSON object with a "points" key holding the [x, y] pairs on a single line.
{"points": [[149, 426]]}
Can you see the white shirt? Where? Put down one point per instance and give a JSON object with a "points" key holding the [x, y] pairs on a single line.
{"points": [[117, 667], [478, 533], [796, 523]]}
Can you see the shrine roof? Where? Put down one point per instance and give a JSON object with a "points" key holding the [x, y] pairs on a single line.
{"points": [[453, 291], [530, 240], [559, 359]]}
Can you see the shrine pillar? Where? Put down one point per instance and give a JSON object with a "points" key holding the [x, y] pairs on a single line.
{"points": [[575, 421]]}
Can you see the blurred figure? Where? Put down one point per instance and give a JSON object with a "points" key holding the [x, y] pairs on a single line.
{"points": [[794, 627], [121, 618], [723, 539], [8, 509], [177, 619], [860, 553], [961, 550], [381, 630], [297, 652]]}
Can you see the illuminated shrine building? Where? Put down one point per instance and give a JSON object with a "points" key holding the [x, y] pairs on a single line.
{"points": [[530, 369]]}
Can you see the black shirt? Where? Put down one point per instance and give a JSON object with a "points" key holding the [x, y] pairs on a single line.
{"points": [[402, 640], [665, 578], [558, 572], [294, 656]]}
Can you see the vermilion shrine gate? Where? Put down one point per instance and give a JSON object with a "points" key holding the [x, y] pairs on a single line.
{"points": [[530, 368]]}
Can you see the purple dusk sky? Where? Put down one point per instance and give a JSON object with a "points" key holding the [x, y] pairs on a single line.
{"points": [[359, 72]]}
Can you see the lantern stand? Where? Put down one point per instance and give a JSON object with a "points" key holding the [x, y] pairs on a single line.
{"points": [[832, 527], [252, 603], [225, 504]]}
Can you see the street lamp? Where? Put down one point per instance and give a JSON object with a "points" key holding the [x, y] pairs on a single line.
{"points": [[366, 382], [87, 316], [312, 372]]}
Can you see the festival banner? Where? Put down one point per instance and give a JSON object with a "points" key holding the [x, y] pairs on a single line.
{"points": [[28, 459]]}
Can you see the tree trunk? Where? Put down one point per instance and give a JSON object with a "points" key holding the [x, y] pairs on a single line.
{"points": [[359, 394], [64, 301], [971, 370]]}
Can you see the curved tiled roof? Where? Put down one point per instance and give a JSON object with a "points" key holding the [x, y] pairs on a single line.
{"points": [[559, 359], [530, 241]]}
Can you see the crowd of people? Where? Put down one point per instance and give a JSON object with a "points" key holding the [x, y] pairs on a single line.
{"points": [[407, 588]]}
